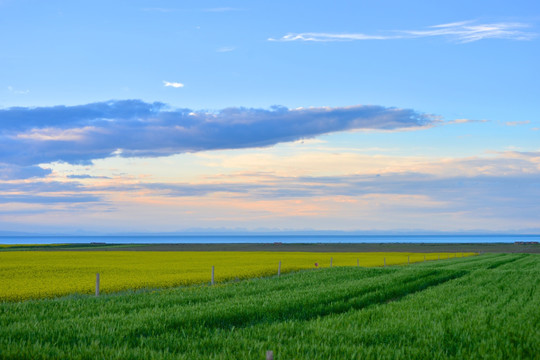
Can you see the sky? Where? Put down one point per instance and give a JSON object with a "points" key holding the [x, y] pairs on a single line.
{"points": [[170, 116]]}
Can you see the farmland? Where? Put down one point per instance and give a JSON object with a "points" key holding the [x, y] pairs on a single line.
{"points": [[478, 307], [39, 274]]}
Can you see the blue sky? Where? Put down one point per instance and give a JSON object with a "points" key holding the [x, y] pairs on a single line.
{"points": [[344, 115]]}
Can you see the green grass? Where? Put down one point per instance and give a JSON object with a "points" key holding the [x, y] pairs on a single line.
{"points": [[485, 307]]}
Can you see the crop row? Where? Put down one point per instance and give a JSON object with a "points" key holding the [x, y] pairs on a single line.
{"points": [[36, 274], [480, 307]]}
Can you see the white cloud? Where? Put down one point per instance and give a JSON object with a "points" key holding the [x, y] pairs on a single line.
{"points": [[226, 49], [462, 32], [163, 10], [221, 9], [464, 121], [516, 123], [54, 134], [77, 134], [173, 84], [324, 37], [12, 90], [467, 32]]}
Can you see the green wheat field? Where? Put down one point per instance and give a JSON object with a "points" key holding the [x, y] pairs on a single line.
{"points": [[480, 307]]}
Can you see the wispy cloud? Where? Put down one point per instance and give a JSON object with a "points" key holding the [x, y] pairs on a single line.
{"points": [[86, 177], [467, 31], [162, 10], [226, 49], [173, 84], [221, 9], [15, 172], [461, 32], [498, 191], [326, 162], [516, 123], [468, 188], [442, 189], [464, 121], [12, 90], [208, 10], [78, 134], [326, 37], [40, 199]]}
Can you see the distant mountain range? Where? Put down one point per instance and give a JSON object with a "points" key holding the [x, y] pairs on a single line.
{"points": [[263, 232]]}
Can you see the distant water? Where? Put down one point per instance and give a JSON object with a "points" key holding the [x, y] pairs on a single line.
{"points": [[290, 239]]}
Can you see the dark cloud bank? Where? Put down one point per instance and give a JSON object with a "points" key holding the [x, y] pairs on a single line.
{"points": [[79, 134]]}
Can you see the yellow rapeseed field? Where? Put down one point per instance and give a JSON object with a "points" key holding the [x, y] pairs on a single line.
{"points": [[36, 274]]}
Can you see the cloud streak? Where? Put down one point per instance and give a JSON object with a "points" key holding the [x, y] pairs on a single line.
{"points": [[12, 90], [14, 172], [470, 193], [226, 49], [465, 121], [133, 128], [38, 199], [450, 190], [221, 9], [461, 32], [517, 123], [173, 84]]}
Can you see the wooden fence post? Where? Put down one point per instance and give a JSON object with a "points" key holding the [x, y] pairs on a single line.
{"points": [[212, 275], [439, 257], [330, 262], [269, 355], [357, 262], [279, 269], [97, 284], [384, 261], [424, 257], [408, 260]]}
